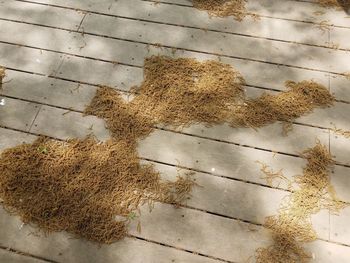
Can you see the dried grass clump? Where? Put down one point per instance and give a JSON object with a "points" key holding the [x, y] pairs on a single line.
{"points": [[2, 75], [181, 92], [86, 188], [176, 92], [300, 99], [341, 132], [2, 72], [335, 3], [223, 8], [292, 226], [287, 236], [82, 186], [125, 122]]}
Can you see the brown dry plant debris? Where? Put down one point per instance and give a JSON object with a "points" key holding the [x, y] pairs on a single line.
{"points": [[177, 92], [181, 92], [2, 75], [81, 185], [300, 99], [122, 120], [271, 176], [223, 8], [184, 91], [335, 3], [86, 188], [344, 133], [292, 226]]}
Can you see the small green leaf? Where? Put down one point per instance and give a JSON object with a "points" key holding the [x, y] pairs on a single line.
{"points": [[42, 149], [132, 216]]}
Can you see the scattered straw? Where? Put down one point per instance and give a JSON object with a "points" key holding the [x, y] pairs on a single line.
{"points": [[270, 176], [81, 186], [328, 3], [177, 92], [300, 99], [2, 72], [342, 132], [2, 75], [223, 8], [184, 91], [86, 188], [335, 3], [324, 26], [292, 226], [123, 121], [181, 92]]}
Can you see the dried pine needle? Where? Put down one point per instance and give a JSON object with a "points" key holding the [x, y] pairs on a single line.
{"points": [[125, 122], [324, 26], [181, 92], [270, 176], [176, 92], [86, 188], [292, 226], [344, 133], [328, 3], [223, 8], [2, 75], [335, 3], [286, 247], [300, 99], [81, 186]]}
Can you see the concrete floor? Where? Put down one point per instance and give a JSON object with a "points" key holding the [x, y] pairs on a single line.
{"points": [[56, 53]]}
